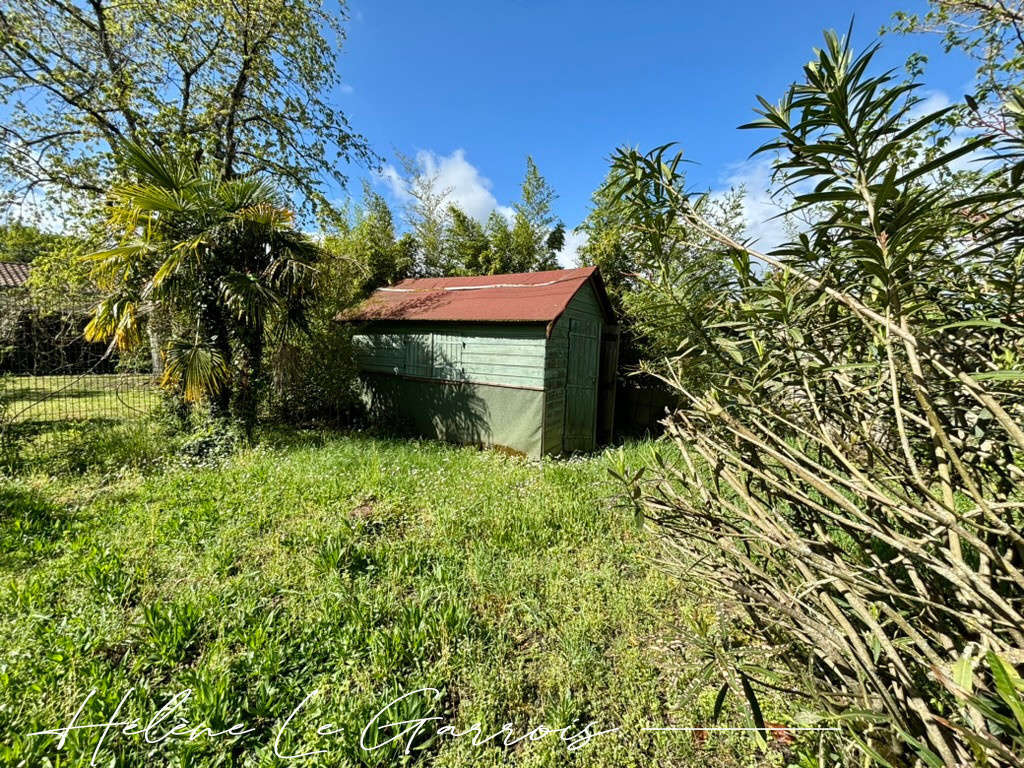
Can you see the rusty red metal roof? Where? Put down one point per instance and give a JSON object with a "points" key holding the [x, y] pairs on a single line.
{"points": [[522, 297], [13, 274]]}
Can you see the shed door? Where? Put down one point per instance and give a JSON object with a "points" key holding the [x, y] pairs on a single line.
{"points": [[581, 385]]}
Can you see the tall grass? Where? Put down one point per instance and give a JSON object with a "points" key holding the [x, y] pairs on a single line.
{"points": [[358, 567]]}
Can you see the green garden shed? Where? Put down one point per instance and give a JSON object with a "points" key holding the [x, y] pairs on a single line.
{"points": [[525, 361]]}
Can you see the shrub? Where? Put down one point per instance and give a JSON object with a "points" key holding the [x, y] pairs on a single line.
{"points": [[315, 380], [209, 441], [847, 464]]}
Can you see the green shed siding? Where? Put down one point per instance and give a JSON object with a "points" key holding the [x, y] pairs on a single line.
{"points": [[584, 306], [459, 412], [503, 355], [554, 392]]}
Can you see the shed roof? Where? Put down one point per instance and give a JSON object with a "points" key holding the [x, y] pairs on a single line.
{"points": [[521, 297], [13, 274]]}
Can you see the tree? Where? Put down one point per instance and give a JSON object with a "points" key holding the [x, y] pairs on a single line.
{"points": [[466, 243], [992, 34], [846, 472], [526, 255], [315, 375], [500, 255], [60, 279], [606, 228], [24, 243], [449, 242], [538, 235], [241, 86], [988, 31], [58, 291], [664, 276], [222, 257], [372, 247], [427, 216]]}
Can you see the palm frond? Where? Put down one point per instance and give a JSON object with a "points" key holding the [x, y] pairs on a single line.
{"points": [[168, 267], [150, 198], [116, 317], [158, 168], [114, 266], [293, 266], [197, 366], [266, 215], [237, 195], [247, 297]]}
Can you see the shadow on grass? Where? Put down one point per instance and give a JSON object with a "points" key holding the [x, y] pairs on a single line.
{"points": [[77, 446], [57, 427]]}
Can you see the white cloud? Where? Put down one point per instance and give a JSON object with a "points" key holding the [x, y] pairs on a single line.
{"points": [[395, 182], [759, 209], [465, 185], [573, 242], [346, 89], [931, 101]]}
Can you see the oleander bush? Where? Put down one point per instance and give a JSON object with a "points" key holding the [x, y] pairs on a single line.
{"points": [[847, 465]]}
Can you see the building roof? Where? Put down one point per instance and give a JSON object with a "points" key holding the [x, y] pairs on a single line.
{"points": [[13, 274], [523, 297]]}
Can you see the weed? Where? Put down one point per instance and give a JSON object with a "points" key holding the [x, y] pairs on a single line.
{"points": [[171, 629]]}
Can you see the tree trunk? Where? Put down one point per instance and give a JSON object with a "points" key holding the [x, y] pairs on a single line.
{"points": [[212, 320], [158, 330], [248, 383]]}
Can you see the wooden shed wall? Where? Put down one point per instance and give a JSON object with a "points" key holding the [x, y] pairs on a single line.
{"points": [[472, 383], [583, 306], [458, 412], [506, 355]]}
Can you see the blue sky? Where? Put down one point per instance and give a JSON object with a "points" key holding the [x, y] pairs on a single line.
{"points": [[476, 86]]}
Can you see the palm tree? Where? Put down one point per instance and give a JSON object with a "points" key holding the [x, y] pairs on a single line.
{"points": [[221, 258]]}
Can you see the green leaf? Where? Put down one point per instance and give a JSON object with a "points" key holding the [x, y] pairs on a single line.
{"points": [[925, 754], [719, 702], [1010, 375], [730, 348], [943, 160], [755, 706], [1008, 685], [980, 322], [963, 672], [199, 367]]}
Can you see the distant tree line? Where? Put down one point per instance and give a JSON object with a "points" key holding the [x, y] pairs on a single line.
{"points": [[442, 239]]}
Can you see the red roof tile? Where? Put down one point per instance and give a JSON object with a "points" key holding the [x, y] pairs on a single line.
{"points": [[518, 298], [13, 274]]}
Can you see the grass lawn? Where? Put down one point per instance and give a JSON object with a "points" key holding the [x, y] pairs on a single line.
{"points": [[352, 569]]}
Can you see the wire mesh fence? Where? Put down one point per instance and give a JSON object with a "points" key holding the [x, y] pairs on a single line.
{"points": [[54, 384], [56, 399]]}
